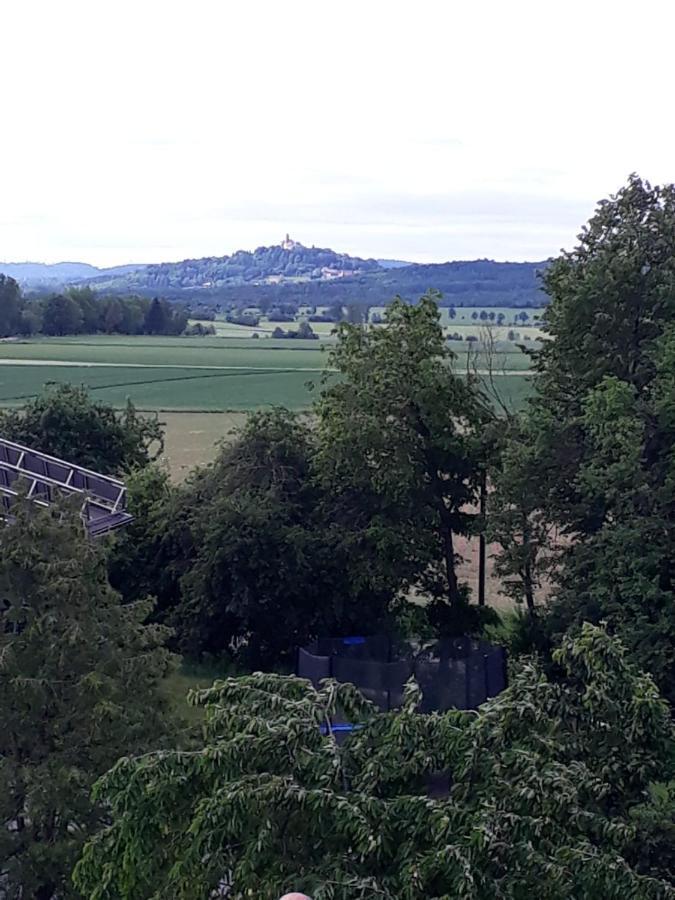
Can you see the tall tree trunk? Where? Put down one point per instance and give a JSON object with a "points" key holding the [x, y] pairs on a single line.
{"points": [[449, 561], [481, 538], [528, 576]]}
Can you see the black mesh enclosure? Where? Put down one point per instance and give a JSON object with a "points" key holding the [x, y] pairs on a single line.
{"points": [[460, 673]]}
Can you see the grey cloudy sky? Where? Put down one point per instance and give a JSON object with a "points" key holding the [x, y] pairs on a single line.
{"points": [[147, 130]]}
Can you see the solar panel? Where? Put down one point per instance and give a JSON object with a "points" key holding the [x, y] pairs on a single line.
{"points": [[46, 478]]}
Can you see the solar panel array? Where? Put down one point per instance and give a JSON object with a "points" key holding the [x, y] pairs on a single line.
{"points": [[45, 479]]}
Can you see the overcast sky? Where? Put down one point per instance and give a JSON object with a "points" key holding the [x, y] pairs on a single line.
{"points": [[425, 130]]}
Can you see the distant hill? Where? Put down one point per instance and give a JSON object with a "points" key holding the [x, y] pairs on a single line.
{"points": [[62, 272], [31, 274], [290, 273], [481, 282], [294, 274], [470, 283], [393, 263], [288, 262]]}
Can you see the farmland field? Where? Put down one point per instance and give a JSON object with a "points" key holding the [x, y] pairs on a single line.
{"points": [[202, 373], [200, 386], [165, 373], [191, 438]]}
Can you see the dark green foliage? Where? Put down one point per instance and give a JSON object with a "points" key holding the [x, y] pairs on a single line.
{"points": [[132, 567], [593, 457], [304, 331], [66, 422], [517, 523], [156, 317], [61, 315], [549, 794], [10, 306], [79, 677], [81, 311], [246, 319], [401, 446], [611, 296], [247, 557], [198, 329], [609, 390], [622, 569], [257, 573]]}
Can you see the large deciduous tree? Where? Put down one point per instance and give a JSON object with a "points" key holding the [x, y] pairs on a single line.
{"points": [[549, 794], [612, 295], [61, 314], [623, 570], [67, 422], [247, 557], [597, 460], [401, 437], [79, 677], [517, 523]]}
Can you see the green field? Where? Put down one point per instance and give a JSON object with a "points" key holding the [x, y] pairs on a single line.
{"points": [[463, 322], [196, 373], [165, 373]]}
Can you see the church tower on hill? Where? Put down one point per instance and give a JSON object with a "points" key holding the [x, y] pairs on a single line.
{"points": [[288, 244]]}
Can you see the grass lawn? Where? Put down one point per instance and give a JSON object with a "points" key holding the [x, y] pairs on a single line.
{"points": [[191, 676]]}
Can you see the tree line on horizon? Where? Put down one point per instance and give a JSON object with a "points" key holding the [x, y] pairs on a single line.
{"points": [[562, 786], [81, 311]]}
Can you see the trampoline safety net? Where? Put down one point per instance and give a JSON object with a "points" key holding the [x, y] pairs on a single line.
{"points": [[459, 673]]}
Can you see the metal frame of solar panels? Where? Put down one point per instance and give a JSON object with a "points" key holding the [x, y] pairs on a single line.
{"points": [[46, 478]]}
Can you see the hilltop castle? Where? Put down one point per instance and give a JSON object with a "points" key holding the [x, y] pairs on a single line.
{"points": [[288, 244]]}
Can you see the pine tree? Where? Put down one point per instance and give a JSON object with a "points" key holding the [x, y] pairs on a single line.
{"points": [[79, 676], [156, 318], [10, 306]]}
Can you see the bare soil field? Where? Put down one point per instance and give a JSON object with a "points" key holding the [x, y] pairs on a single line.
{"points": [[191, 438]]}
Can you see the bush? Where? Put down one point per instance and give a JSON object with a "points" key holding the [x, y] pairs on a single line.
{"points": [[199, 330], [250, 321], [66, 422]]}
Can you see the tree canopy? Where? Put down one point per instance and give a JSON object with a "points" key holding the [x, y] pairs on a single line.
{"points": [[67, 422], [548, 794], [401, 442], [79, 678], [10, 306], [246, 556], [592, 457]]}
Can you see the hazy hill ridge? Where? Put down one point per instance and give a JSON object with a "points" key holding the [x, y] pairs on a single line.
{"points": [[35, 273], [288, 261], [289, 272]]}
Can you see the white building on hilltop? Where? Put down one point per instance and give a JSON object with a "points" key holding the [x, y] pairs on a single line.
{"points": [[288, 244]]}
